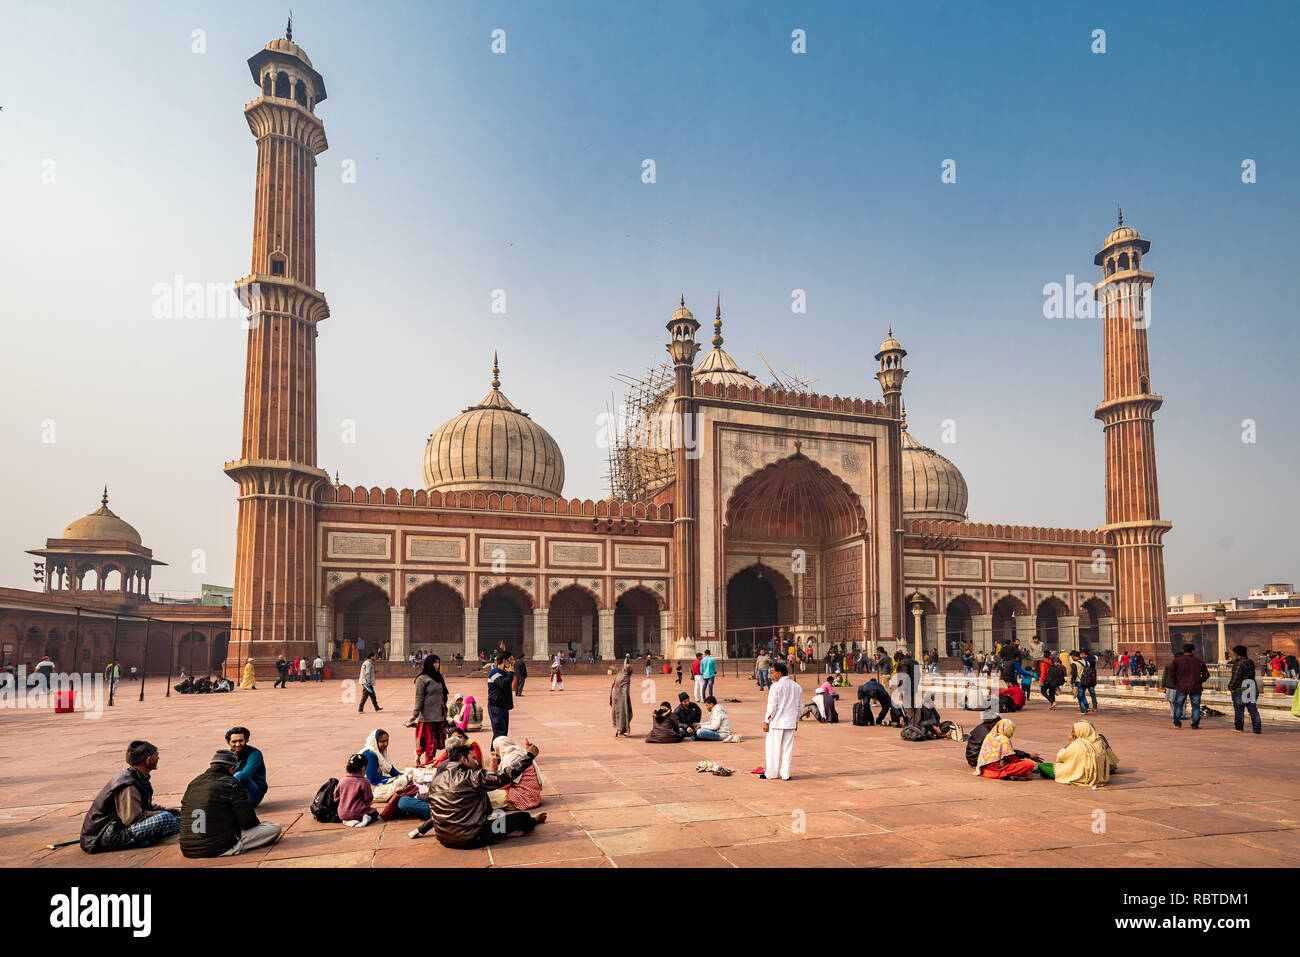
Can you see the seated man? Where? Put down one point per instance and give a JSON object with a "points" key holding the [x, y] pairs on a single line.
{"points": [[186, 685], [460, 807], [222, 685], [250, 770], [718, 725], [123, 813], [219, 802], [873, 690], [203, 685], [688, 713], [930, 722]]}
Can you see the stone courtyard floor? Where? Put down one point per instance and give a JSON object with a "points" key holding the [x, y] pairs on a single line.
{"points": [[859, 796]]}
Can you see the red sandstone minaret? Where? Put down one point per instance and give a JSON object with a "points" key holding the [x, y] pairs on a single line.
{"points": [[686, 584], [1132, 500], [275, 594]]}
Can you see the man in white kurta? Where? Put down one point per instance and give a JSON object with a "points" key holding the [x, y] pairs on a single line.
{"points": [[784, 702]]}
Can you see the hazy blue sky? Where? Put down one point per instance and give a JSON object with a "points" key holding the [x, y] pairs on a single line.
{"points": [[775, 172]]}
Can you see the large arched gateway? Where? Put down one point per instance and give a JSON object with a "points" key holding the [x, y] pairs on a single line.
{"points": [[796, 558]]}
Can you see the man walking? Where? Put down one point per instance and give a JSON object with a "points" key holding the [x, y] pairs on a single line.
{"points": [[1189, 675], [500, 698], [282, 669], [1245, 691], [784, 702], [219, 821], [113, 673], [318, 669], [708, 668], [697, 677], [367, 682]]}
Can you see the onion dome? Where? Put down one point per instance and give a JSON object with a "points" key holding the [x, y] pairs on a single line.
{"points": [[102, 525], [493, 446], [1121, 234], [717, 367], [932, 486]]}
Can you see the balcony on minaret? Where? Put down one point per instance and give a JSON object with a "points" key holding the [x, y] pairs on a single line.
{"points": [[283, 71]]}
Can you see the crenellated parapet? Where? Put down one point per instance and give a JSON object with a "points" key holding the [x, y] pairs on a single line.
{"points": [[493, 502], [791, 400]]}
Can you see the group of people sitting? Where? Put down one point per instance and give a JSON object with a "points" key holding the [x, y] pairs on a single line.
{"points": [[124, 815], [465, 804], [1086, 760], [687, 722], [204, 684]]}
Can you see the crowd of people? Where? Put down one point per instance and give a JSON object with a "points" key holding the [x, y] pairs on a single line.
{"points": [[468, 799]]}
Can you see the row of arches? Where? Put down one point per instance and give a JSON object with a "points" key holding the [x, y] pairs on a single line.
{"points": [[958, 627], [280, 85], [1122, 262], [436, 617], [195, 651]]}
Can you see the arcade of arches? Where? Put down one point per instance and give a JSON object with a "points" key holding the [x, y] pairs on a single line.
{"points": [[796, 557]]}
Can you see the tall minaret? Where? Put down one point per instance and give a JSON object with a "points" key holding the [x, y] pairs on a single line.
{"points": [[890, 376], [275, 553], [682, 347], [1132, 500]]}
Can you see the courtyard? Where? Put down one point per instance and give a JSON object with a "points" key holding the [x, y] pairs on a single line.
{"points": [[859, 797]]}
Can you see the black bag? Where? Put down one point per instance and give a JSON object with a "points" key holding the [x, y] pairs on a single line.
{"points": [[1088, 676], [861, 714], [323, 806], [1005, 704], [913, 732]]}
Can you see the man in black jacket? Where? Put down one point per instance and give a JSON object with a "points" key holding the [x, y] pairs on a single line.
{"points": [[123, 813], [521, 675], [688, 713], [1245, 691], [216, 818], [872, 690]]}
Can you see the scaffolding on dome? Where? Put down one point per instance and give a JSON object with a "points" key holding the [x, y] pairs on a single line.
{"points": [[640, 463]]}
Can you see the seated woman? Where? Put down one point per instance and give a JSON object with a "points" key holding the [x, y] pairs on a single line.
{"points": [[1085, 760], [453, 736], [383, 777], [525, 792], [464, 713], [665, 728], [828, 696], [998, 759]]}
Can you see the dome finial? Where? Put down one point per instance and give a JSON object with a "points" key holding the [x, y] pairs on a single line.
{"points": [[496, 373], [1121, 213], [288, 29], [104, 498], [717, 323], [902, 407]]}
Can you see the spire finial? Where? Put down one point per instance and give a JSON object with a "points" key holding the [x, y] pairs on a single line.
{"points": [[288, 29], [717, 323], [1121, 213], [891, 330], [104, 498], [496, 373], [902, 408], [683, 300]]}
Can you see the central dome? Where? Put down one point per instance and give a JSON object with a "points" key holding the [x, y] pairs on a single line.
{"points": [[102, 525], [493, 446], [932, 486]]}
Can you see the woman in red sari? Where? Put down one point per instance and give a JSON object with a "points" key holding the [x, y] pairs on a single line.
{"points": [[998, 759]]}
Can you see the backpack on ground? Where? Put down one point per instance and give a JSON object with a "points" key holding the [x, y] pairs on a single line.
{"points": [[323, 806], [1005, 704], [912, 732], [861, 711]]}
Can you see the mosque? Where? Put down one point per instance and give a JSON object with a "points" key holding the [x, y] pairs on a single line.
{"points": [[780, 510]]}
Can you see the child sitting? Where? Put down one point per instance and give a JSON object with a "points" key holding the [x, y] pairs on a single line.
{"points": [[354, 795]]}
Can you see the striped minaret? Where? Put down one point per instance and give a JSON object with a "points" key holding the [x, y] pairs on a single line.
{"points": [[275, 551], [682, 347], [1132, 497]]}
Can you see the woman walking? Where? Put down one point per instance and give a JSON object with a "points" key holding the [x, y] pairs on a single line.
{"points": [[620, 702], [430, 713], [557, 672]]}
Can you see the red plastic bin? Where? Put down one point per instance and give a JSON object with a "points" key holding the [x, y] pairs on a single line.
{"points": [[65, 701]]}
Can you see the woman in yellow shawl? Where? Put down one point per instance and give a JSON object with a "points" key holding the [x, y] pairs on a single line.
{"points": [[1086, 760], [249, 681]]}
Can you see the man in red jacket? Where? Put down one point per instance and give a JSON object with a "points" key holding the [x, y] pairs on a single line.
{"points": [[1189, 675]]}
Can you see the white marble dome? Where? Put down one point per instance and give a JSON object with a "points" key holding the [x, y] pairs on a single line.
{"points": [[493, 446], [933, 488]]}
